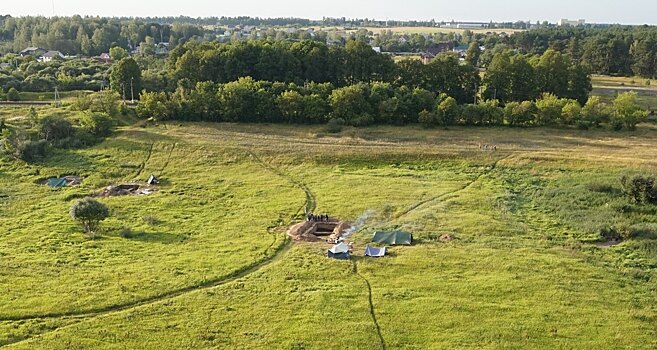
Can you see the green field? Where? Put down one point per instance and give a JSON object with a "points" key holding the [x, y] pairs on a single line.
{"points": [[207, 264]]}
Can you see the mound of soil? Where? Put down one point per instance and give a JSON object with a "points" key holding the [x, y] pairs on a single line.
{"points": [[446, 238], [125, 190]]}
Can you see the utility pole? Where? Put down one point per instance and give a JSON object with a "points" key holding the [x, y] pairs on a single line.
{"points": [[475, 93], [495, 94], [57, 99], [123, 85], [132, 91]]}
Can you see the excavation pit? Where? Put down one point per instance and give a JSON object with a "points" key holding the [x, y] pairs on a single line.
{"points": [[125, 190], [318, 231]]}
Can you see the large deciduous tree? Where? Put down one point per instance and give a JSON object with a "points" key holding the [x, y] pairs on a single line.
{"points": [[126, 77]]}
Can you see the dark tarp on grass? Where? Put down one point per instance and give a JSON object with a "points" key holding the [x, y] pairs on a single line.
{"points": [[339, 256], [339, 251], [375, 252], [393, 238]]}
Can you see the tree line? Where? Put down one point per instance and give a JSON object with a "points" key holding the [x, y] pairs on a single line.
{"points": [[361, 104]]}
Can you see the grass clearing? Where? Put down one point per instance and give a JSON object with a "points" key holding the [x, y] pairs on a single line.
{"points": [[208, 265], [608, 87]]}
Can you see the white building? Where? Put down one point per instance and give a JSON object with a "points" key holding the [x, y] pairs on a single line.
{"points": [[50, 55], [566, 22]]}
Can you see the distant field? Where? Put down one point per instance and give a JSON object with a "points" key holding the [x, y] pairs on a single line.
{"points": [[431, 30], [50, 96], [608, 87], [208, 265], [422, 30]]}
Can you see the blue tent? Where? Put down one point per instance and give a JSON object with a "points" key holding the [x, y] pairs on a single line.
{"points": [[375, 252]]}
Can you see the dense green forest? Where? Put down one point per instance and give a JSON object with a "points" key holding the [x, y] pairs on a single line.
{"points": [[88, 36], [620, 50]]}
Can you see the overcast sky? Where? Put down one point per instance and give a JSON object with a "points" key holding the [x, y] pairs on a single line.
{"points": [[599, 11]]}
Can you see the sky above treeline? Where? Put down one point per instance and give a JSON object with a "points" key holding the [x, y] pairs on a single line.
{"points": [[593, 11]]}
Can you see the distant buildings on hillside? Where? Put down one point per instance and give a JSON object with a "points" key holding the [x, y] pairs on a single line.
{"points": [[574, 23], [464, 25]]}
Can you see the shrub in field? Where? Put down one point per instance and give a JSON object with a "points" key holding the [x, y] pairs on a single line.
{"points": [[97, 124], [30, 151], [17, 144], [13, 95], [615, 232], [89, 213], [627, 112], [150, 220], [641, 189], [335, 125], [54, 128], [126, 232]]}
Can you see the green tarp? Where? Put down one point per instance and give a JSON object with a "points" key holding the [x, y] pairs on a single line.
{"points": [[57, 183], [393, 238]]}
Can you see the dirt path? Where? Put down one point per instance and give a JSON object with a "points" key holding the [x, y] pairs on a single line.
{"points": [[143, 164], [404, 213], [311, 199], [372, 311], [309, 204], [451, 193], [166, 164]]}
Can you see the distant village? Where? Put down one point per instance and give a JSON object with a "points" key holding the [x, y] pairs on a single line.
{"points": [[332, 36]]}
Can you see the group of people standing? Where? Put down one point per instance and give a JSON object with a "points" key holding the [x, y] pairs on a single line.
{"points": [[487, 147], [318, 218]]}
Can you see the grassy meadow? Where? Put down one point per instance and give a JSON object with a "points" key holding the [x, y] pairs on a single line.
{"points": [[608, 87], [204, 261]]}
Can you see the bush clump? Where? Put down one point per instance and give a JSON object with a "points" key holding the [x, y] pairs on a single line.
{"points": [[13, 95], [335, 125], [97, 124], [31, 151], [640, 189], [89, 213]]}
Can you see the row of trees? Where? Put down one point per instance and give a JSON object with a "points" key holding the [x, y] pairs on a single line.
{"points": [[248, 100], [309, 61]]}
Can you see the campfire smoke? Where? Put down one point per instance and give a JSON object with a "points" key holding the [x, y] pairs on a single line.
{"points": [[359, 223]]}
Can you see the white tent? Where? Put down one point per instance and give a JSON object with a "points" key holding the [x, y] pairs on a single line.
{"points": [[339, 248]]}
